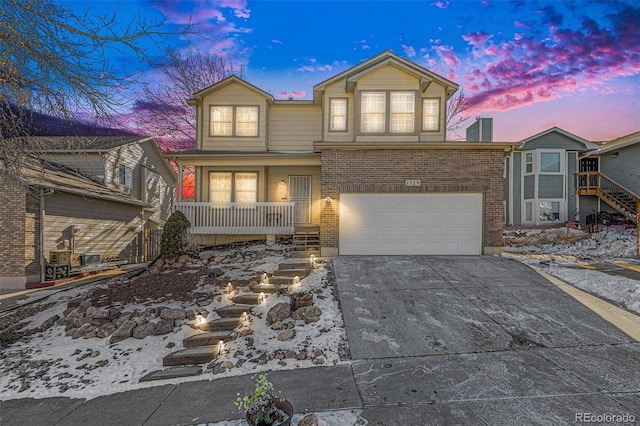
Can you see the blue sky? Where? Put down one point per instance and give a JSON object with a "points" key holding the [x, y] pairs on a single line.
{"points": [[530, 65]]}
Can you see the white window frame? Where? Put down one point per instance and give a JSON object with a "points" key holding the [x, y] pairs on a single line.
{"points": [[526, 163], [224, 125], [426, 115], [561, 208], [233, 127], [334, 126], [563, 163], [125, 175], [528, 218], [233, 190], [395, 113], [373, 113]]}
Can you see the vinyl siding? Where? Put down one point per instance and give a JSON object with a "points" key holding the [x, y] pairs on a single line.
{"points": [[529, 187], [294, 127], [238, 95], [105, 227], [550, 186], [517, 188], [279, 193], [553, 140], [434, 91], [572, 198], [162, 195], [387, 78], [505, 189], [204, 172], [130, 156], [624, 168], [336, 90]]}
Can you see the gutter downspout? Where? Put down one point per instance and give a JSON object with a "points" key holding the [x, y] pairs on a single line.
{"points": [[41, 245]]}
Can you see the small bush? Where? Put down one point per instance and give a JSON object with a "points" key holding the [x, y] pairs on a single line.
{"points": [[173, 239]]}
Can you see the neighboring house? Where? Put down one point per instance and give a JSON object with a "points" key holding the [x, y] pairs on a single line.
{"points": [[89, 195], [365, 164], [539, 178], [609, 178]]}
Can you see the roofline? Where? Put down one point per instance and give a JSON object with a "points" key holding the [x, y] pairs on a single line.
{"points": [[587, 144], [75, 151], [225, 82], [503, 146]]}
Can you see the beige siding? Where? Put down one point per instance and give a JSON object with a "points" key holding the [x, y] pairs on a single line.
{"points": [[161, 194], [89, 164], [279, 193], [104, 227], [435, 90], [336, 90], [388, 78], [238, 95], [203, 190], [294, 127], [129, 155]]}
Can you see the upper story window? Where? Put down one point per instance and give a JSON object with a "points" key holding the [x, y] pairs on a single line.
{"points": [[550, 162], [233, 187], [402, 111], [528, 162], [430, 115], [125, 175], [338, 115], [234, 121], [373, 112]]}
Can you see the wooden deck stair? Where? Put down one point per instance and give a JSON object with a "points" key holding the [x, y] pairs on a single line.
{"points": [[617, 196], [204, 347], [306, 241]]}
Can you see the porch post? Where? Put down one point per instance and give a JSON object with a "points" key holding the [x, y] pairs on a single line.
{"points": [[180, 171]]}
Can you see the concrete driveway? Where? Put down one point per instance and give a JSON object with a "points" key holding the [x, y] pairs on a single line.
{"points": [[478, 340]]}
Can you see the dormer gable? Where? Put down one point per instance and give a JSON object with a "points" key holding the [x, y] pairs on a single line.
{"points": [[556, 137], [232, 79]]}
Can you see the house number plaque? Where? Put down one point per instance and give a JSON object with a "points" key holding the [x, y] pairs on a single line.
{"points": [[412, 182]]}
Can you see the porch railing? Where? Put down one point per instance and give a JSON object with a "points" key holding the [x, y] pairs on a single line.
{"points": [[239, 218], [617, 196]]}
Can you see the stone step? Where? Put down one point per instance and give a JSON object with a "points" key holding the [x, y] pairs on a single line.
{"points": [[207, 338], [247, 299], [266, 288], [221, 324], [173, 373], [233, 311], [304, 253], [280, 280], [293, 272], [293, 265], [191, 356]]}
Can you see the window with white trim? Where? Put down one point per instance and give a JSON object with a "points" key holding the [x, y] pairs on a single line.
{"points": [[402, 108], [528, 211], [550, 162], [227, 187], [549, 211], [338, 115], [125, 175], [430, 114], [528, 162], [234, 121], [373, 105]]}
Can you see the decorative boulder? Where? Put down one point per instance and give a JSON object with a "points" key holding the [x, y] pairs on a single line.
{"points": [[123, 332], [278, 313], [307, 314]]}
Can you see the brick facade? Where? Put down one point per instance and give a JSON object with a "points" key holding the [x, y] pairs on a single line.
{"points": [[19, 213], [386, 170]]}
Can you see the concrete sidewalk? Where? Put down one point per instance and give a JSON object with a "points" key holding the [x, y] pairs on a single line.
{"points": [[434, 340]]}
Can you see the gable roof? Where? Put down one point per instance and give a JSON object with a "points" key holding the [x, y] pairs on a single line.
{"points": [[621, 142], [49, 175], [83, 143], [587, 144], [225, 82], [383, 59]]}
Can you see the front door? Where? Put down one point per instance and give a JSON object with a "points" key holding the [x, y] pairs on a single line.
{"points": [[300, 195]]}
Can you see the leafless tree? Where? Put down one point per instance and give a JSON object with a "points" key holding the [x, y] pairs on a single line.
{"points": [[456, 106], [163, 110], [53, 61]]}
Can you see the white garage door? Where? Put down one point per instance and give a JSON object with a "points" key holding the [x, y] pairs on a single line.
{"points": [[406, 224]]}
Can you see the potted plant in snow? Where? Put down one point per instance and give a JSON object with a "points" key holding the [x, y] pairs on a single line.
{"points": [[300, 299], [262, 407]]}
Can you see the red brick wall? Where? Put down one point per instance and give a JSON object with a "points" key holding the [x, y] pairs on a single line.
{"points": [[385, 171]]}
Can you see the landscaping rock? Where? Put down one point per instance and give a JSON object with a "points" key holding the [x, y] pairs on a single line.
{"points": [[215, 272], [106, 330], [286, 335], [173, 314], [49, 322], [309, 420], [143, 330], [307, 314], [123, 332], [163, 326], [279, 312]]}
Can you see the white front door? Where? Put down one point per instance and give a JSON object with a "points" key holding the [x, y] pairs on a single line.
{"points": [[300, 195], [411, 224]]}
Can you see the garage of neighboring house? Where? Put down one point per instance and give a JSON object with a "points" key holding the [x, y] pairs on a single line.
{"points": [[411, 224]]}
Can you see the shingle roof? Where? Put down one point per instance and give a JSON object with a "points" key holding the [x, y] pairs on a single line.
{"points": [[83, 143], [60, 178], [621, 142]]}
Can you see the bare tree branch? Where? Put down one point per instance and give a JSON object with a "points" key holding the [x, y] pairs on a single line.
{"points": [[164, 112], [456, 106]]}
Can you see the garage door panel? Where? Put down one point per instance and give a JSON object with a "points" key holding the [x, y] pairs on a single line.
{"points": [[380, 224]]}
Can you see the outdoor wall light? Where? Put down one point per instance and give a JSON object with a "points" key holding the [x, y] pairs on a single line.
{"points": [[328, 200], [282, 182]]}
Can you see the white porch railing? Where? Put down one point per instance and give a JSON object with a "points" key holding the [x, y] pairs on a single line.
{"points": [[238, 218]]}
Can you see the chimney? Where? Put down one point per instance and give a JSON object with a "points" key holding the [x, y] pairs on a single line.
{"points": [[481, 130]]}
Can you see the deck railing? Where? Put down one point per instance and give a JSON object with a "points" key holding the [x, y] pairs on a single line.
{"points": [[239, 218], [617, 196]]}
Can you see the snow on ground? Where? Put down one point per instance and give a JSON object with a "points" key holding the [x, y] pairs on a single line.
{"points": [[53, 364], [568, 254], [325, 418]]}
